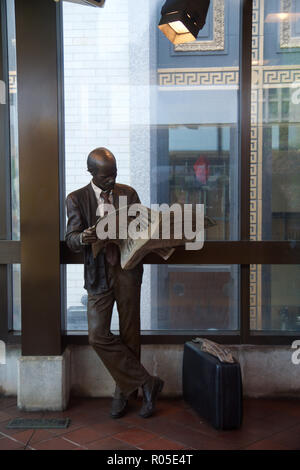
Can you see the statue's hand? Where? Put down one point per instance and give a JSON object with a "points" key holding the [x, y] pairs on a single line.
{"points": [[89, 235]]}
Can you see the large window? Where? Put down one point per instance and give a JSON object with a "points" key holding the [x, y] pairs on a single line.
{"points": [[194, 123], [279, 309], [14, 161], [170, 116], [10, 314], [275, 158]]}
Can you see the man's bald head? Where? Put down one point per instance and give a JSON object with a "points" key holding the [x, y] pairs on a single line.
{"points": [[99, 157], [102, 165]]}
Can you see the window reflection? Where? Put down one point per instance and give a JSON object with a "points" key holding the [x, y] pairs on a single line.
{"points": [[14, 160], [198, 297], [280, 301], [199, 173], [170, 116], [275, 158], [13, 106]]}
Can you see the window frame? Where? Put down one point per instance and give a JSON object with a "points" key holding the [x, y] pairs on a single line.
{"points": [[9, 250], [243, 252]]}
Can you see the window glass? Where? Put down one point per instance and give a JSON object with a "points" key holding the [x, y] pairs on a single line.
{"points": [[16, 297], [170, 116], [279, 309], [13, 106], [275, 159], [186, 298], [14, 160]]}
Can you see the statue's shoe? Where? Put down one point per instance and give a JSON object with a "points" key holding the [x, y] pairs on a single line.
{"points": [[118, 407], [151, 389]]}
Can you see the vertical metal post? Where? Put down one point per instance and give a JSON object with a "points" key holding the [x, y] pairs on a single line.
{"points": [[5, 199], [38, 109], [245, 141], [62, 178]]}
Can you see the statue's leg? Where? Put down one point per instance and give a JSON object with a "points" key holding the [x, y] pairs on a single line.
{"points": [[120, 361], [127, 288], [127, 293]]}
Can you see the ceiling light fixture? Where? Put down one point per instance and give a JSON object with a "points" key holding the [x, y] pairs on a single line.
{"points": [[181, 20], [91, 3]]}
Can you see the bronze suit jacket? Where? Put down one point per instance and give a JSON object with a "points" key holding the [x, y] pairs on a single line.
{"points": [[81, 211]]}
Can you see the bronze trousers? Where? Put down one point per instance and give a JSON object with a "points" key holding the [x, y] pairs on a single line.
{"points": [[120, 354]]}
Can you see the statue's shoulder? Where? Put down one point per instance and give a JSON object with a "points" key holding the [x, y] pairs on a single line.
{"points": [[124, 189], [78, 194]]}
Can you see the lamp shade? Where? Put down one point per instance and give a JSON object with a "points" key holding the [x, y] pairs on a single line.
{"points": [[181, 20], [91, 3]]}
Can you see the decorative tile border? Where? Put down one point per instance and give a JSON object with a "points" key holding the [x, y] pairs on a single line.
{"points": [[284, 75], [262, 77], [12, 81], [286, 39], [256, 157], [218, 41], [199, 77]]}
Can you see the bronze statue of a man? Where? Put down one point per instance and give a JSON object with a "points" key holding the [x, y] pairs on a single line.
{"points": [[106, 282]]}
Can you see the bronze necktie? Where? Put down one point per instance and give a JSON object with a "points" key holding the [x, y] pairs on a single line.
{"points": [[112, 252]]}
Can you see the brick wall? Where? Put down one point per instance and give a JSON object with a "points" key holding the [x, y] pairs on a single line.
{"points": [[99, 106]]}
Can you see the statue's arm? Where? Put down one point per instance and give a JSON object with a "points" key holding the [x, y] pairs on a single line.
{"points": [[75, 225]]}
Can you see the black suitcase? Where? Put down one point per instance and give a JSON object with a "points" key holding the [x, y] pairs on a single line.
{"points": [[213, 388]]}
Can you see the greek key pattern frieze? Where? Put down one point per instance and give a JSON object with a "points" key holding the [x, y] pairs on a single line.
{"points": [[198, 77], [256, 156], [262, 77], [12, 82], [256, 19], [281, 75]]}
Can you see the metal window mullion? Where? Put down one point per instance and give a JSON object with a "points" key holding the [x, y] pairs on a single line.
{"points": [[245, 140], [61, 137], [5, 178]]}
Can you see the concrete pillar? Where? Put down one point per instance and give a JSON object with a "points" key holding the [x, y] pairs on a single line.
{"points": [[44, 382]]}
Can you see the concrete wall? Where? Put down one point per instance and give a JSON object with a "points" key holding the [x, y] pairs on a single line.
{"points": [[9, 371], [267, 371]]}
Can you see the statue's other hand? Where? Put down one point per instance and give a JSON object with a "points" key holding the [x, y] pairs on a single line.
{"points": [[89, 235]]}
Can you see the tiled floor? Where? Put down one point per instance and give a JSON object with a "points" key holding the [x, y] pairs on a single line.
{"points": [[268, 425]]}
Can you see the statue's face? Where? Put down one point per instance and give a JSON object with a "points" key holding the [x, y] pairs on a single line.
{"points": [[106, 175]]}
